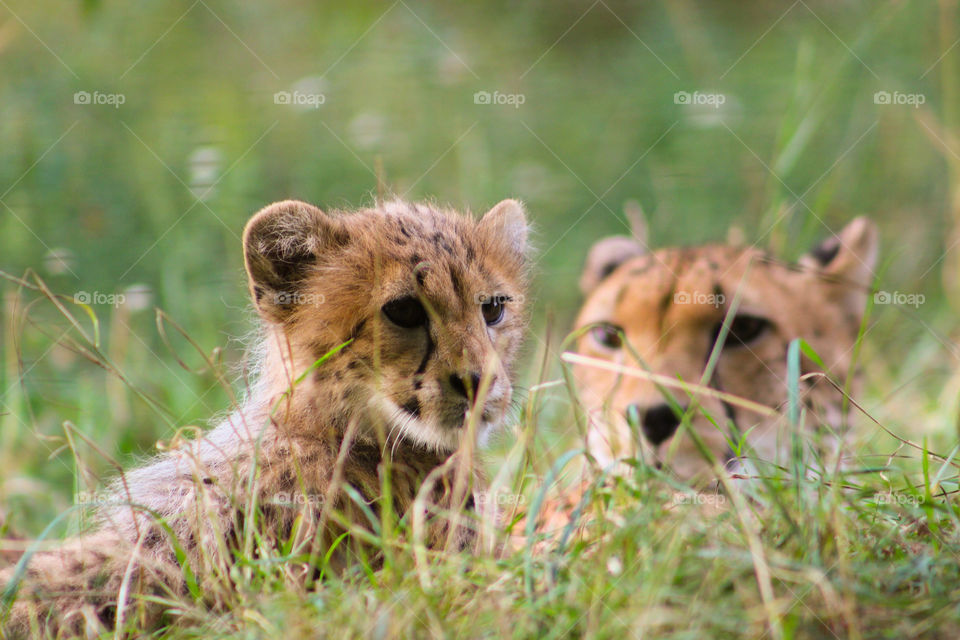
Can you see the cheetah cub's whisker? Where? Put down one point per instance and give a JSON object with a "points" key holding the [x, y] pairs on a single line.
{"points": [[389, 336]]}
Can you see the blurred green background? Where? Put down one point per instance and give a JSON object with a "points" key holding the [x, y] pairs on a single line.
{"points": [[147, 198]]}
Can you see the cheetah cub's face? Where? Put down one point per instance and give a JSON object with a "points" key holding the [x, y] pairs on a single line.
{"points": [[430, 300]]}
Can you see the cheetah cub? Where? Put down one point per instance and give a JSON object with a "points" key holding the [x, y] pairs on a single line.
{"points": [[388, 339]]}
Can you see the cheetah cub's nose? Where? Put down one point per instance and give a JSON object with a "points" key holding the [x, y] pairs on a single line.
{"points": [[658, 423], [466, 386]]}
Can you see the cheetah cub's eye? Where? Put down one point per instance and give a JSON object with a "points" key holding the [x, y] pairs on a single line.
{"points": [[744, 329], [492, 309], [608, 335], [406, 312]]}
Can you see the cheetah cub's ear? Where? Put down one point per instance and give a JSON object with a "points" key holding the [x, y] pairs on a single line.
{"points": [[280, 244], [608, 254], [849, 257], [506, 223]]}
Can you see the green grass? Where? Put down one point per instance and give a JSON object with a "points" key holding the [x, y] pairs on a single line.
{"points": [[798, 147]]}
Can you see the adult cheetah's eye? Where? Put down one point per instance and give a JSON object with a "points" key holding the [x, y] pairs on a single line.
{"points": [[406, 312], [608, 335], [744, 329], [492, 309]]}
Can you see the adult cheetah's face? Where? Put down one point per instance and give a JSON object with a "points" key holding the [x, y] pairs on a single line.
{"points": [[663, 312], [431, 301]]}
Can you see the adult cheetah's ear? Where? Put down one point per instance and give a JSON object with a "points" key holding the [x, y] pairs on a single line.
{"points": [[280, 244], [604, 258], [608, 254], [849, 257], [506, 222]]}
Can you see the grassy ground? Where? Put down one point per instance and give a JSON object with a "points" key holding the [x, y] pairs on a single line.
{"points": [[145, 200]]}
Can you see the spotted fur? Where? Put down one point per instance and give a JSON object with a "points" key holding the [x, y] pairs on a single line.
{"points": [[391, 399], [661, 311]]}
